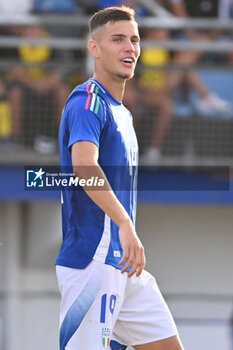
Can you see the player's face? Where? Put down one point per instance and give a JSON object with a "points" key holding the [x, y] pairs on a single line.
{"points": [[118, 49]]}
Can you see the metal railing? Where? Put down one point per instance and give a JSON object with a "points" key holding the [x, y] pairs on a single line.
{"points": [[169, 23]]}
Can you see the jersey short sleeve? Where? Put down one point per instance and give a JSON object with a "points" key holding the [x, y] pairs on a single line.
{"points": [[84, 124]]}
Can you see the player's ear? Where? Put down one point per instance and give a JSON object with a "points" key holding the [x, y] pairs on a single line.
{"points": [[93, 48]]}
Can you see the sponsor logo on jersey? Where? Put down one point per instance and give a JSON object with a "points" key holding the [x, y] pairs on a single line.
{"points": [[117, 253]]}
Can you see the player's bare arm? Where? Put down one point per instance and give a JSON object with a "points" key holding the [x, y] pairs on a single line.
{"points": [[85, 160]]}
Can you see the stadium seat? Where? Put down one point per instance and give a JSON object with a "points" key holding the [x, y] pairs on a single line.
{"points": [[220, 83], [63, 6]]}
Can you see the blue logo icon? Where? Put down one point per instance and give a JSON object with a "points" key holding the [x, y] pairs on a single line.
{"points": [[35, 178]]}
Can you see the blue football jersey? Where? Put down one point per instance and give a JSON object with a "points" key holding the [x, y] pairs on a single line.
{"points": [[93, 114]]}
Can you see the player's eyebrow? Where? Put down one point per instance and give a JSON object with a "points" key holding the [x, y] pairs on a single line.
{"points": [[124, 36]]}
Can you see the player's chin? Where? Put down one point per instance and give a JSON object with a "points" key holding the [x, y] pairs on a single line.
{"points": [[126, 76]]}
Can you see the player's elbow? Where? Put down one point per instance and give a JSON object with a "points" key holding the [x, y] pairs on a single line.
{"points": [[84, 167], [84, 161]]}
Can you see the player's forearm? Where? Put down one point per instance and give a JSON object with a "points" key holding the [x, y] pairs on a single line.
{"points": [[108, 202], [102, 196]]}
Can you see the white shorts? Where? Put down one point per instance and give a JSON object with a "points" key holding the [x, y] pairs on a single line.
{"points": [[104, 309]]}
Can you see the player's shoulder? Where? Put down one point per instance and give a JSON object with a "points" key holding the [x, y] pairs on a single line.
{"points": [[89, 96]]}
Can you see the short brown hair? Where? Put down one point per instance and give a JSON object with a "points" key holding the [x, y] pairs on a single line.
{"points": [[111, 14]]}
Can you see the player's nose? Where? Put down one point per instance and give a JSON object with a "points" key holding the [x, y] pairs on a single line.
{"points": [[129, 46]]}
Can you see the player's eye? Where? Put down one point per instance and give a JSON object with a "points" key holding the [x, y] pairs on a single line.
{"points": [[135, 41]]}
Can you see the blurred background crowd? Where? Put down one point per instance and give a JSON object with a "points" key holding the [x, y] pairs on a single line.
{"points": [[181, 97]]}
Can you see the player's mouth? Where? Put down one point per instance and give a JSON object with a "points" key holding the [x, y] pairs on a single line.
{"points": [[128, 61]]}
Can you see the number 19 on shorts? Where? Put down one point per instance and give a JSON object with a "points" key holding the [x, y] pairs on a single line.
{"points": [[107, 305]]}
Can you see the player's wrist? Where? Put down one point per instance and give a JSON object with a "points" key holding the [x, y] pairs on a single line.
{"points": [[125, 221]]}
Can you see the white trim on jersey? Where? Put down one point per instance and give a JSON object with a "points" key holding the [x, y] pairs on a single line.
{"points": [[93, 97], [102, 249], [95, 82]]}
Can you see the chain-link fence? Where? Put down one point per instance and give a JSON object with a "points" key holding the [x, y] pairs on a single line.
{"points": [[190, 122]]}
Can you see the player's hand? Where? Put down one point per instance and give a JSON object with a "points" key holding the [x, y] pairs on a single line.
{"points": [[133, 251]]}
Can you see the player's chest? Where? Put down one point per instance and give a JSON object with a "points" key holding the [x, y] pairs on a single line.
{"points": [[121, 128]]}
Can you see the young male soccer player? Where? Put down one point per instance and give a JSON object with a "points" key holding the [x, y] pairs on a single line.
{"points": [[108, 300]]}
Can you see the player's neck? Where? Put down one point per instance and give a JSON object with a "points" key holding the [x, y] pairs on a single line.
{"points": [[114, 87]]}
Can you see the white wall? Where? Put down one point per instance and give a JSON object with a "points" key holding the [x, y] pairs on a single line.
{"points": [[188, 249], [30, 299]]}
